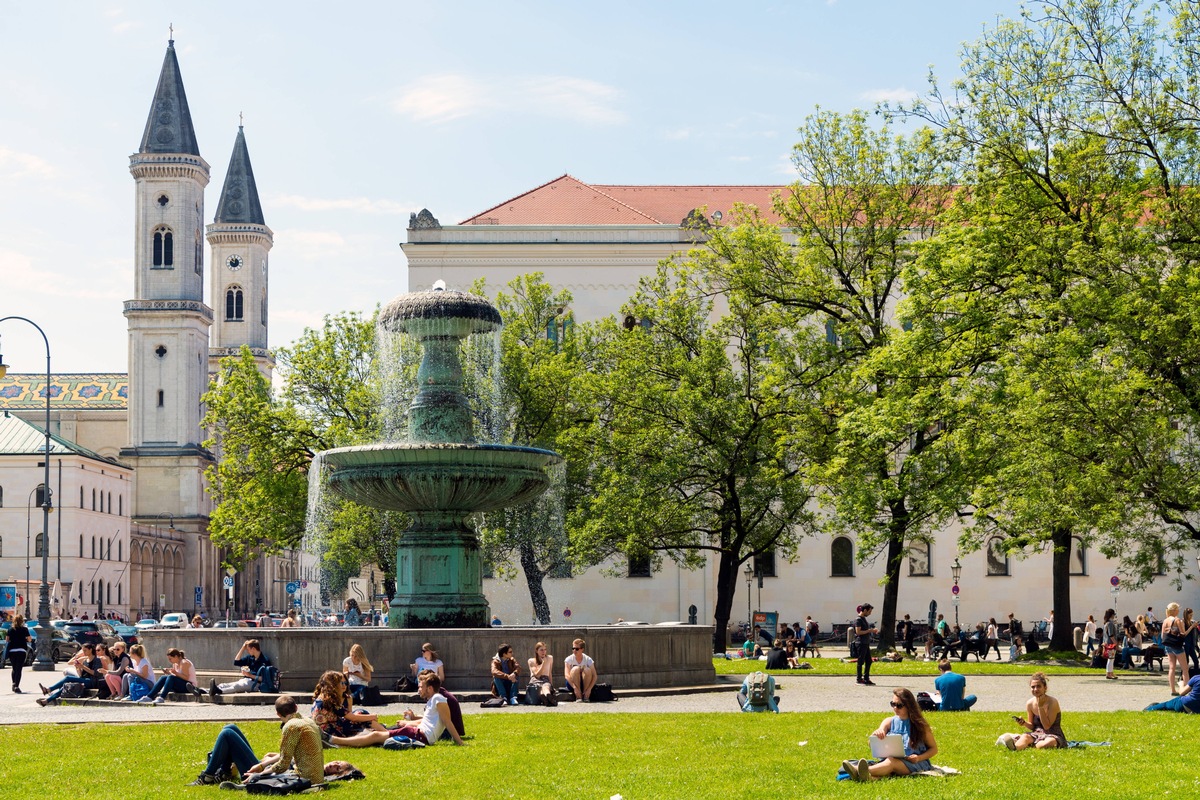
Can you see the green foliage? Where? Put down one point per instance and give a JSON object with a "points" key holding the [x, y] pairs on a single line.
{"points": [[687, 436]]}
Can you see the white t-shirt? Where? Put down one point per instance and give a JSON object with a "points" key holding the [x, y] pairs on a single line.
{"points": [[354, 671], [423, 664], [573, 661], [1089, 630], [144, 669], [431, 723]]}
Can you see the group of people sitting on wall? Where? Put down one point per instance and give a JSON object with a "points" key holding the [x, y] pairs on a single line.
{"points": [[122, 672]]}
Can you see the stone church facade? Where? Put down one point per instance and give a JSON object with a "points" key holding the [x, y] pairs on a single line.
{"points": [[144, 427]]}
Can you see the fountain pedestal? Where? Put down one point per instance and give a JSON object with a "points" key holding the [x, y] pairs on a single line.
{"points": [[439, 572]]}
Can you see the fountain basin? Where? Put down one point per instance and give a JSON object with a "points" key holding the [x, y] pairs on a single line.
{"points": [[430, 476]]}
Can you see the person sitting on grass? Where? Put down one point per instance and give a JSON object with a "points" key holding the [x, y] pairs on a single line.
{"points": [[251, 660], [580, 671], [777, 657], [758, 693], [1043, 720], [428, 728], [299, 750], [919, 745], [331, 708], [951, 686], [1188, 702]]}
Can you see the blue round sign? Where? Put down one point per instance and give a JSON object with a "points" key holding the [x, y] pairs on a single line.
{"points": [[292, 587]]}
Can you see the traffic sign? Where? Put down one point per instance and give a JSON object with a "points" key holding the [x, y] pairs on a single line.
{"points": [[567, 613], [303, 584], [296, 602], [1114, 580], [954, 590], [199, 595], [292, 587], [227, 581]]}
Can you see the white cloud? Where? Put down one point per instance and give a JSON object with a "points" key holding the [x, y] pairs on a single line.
{"points": [[15, 164], [899, 95], [443, 98], [362, 205], [784, 166], [28, 275]]}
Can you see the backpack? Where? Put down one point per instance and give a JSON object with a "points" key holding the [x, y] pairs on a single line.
{"points": [[281, 783], [760, 692], [602, 693], [76, 690], [372, 696], [925, 702], [494, 702], [268, 680]]}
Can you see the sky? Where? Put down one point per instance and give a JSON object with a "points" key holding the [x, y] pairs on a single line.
{"points": [[358, 114]]}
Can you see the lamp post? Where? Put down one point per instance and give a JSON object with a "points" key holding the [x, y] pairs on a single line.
{"points": [[44, 661], [955, 572], [28, 533], [749, 573]]}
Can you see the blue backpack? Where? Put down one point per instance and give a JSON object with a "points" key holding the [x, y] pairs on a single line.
{"points": [[268, 680]]}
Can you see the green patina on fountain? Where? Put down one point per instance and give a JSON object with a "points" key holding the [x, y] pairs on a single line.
{"points": [[440, 475]]}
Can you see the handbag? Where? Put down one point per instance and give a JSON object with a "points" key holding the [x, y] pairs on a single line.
{"points": [[138, 690], [1109, 649], [279, 783]]}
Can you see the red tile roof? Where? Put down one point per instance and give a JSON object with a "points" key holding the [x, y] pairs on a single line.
{"points": [[570, 201]]}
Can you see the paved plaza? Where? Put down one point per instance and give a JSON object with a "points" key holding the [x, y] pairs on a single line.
{"points": [[1133, 691]]}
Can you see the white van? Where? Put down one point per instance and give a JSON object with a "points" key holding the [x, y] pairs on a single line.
{"points": [[176, 620]]}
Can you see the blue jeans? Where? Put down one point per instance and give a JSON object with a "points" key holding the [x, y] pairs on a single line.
{"points": [[231, 749], [1174, 704], [168, 684], [506, 689], [968, 701]]}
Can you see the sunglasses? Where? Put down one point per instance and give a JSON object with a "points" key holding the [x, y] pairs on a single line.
{"points": [[894, 704], [576, 648]]}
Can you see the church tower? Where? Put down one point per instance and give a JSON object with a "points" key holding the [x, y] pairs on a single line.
{"points": [[168, 320], [240, 242]]}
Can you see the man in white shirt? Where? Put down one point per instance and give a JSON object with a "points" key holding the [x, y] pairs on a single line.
{"points": [[428, 728], [580, 671]]}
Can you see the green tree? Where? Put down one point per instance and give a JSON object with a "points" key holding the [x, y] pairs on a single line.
{"points": [[539, 360], [872, 397], [687, 434]]}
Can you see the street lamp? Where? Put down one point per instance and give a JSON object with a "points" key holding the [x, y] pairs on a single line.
{"points": [[28, 533], [44, 661], [955, 573], [749, 573]]}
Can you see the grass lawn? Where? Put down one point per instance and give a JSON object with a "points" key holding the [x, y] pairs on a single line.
{"points": [[636, 755], [834, 666]]}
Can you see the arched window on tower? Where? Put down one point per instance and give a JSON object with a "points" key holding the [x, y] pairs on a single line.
{"points": [[233, 304], [164, 248], [37, 544]]}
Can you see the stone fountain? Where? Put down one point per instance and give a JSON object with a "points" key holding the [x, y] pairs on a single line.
{"points": [[441, 475]]}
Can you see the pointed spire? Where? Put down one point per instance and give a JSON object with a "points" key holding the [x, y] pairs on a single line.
{"points": [[239, 195], [169, 126]]}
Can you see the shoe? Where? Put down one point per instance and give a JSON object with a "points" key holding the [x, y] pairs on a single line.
{"points": [[205, 779], [196, 690], [158, 701], [213, 689], [859, 681], [232, 785], [512, 701], [1007, 740], [146, 699], [868, 683], [850, 767], [44, 689], [17, 690], [327, 741], [863, 771], [41, 701]]}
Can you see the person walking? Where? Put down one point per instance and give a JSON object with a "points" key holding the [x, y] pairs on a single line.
{"points": [[17, 644], [1089, 635], [863, 630]]}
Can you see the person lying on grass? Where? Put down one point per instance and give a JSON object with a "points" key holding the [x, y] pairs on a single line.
{"points": [[1188, 702], [299, 749], [1043, 720], [427, 728], [919, 744]]}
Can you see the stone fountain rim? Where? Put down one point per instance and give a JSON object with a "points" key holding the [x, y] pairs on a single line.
{"points": [[440, 304], [455, 447]]}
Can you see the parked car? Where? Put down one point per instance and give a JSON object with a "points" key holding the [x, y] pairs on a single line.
{"points": [[146, 624], [230, 623], [174, 620], [127, 632], [98, 632], [63, 646]]}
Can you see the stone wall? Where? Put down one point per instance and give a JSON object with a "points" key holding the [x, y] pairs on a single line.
{"points": [[635, 657]]}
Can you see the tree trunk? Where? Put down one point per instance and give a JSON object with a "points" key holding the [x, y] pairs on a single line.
{"points": [[891, 593], [727, 577], [533, 579], [1063, 639]]}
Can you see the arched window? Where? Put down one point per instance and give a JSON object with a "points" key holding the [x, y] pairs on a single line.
{"points": [[764, 564], [102, 502], [997, 557], [164, 247], [93, 499], [639, 566], [40, 497], [81, 497], [1, 497], [841, 557], [81, 545], [1078, 556], [93, 549], [2, 548], [38, 545], [918, 560], [110, 502], [233, 304], [120, 505], [120, 557], [119, 594]]}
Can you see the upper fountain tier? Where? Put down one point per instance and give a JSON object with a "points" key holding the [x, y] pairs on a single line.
{"points": [[440, 312]]}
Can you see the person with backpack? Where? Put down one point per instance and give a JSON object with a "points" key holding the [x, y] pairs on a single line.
{"points": [[256, 668], [758, 693]]}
